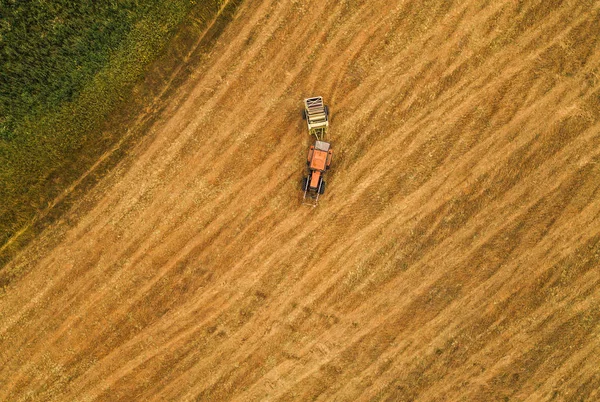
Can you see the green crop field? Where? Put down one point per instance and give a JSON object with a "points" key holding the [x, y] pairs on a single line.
{"points": [[66, 68]]}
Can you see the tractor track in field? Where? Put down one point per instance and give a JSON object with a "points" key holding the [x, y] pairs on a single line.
{"points": [[455, 255]]}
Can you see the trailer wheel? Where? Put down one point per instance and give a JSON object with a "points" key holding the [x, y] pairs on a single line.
{"points": [[327, 111], [303, 114], [322, 188]]}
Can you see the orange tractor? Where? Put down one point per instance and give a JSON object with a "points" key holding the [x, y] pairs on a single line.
{"points": [[319, 154]]}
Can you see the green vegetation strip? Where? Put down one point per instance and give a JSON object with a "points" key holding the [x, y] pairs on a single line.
{"points": [[73, 76]]}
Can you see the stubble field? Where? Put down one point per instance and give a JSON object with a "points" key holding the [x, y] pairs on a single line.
{"points": [[455, 255]]}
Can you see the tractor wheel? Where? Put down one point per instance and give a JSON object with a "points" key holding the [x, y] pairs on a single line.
{"points": [[322, 188], [304, 183], [303, 114]]}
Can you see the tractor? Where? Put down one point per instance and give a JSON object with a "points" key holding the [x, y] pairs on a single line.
{"points": [[318, 162]]}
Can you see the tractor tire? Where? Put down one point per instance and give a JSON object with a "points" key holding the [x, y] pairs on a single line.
{"points": [[322, 188], [304, 183], [303, 114]]}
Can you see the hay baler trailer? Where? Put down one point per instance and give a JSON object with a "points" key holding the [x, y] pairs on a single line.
{"points": [[318, 162], [316, 114]]}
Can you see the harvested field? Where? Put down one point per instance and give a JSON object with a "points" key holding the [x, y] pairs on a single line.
{"points": [[455, 255]]}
